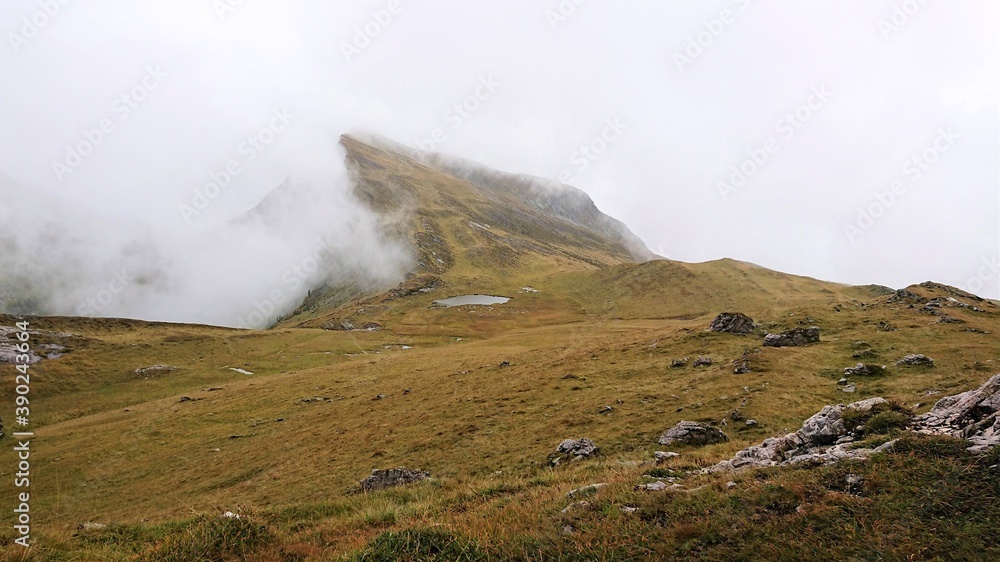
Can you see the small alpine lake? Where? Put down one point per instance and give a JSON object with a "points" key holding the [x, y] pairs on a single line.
{"points": [[465, 300]]}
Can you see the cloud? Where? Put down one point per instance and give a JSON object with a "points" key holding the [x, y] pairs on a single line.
{"points": [[165, 97]]}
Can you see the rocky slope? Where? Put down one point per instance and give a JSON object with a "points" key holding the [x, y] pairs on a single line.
{"points": [[832, 434]]}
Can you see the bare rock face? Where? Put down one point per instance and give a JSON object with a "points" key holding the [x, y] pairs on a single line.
{"points": [[382, 479], [793, 338], [732, 323], [823, 439], [573, 450], [972, 415], [693, 433]]}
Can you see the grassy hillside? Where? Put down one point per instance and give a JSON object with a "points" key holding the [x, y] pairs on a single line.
{"points": [[117, 448], [480, 395]]}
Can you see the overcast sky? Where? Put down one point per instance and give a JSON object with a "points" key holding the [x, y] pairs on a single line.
{"points": [[853, 141]]}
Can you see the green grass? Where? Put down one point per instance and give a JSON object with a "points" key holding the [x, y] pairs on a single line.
{"points": [[929, 500]]}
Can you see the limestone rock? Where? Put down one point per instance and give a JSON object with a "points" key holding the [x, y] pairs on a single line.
{"points": [[793, 338], [819, 441], [916, 359], [732, 323], [693, 433], [824, 438], [972, 415], [864, 370], [573, 450], [657, 486]]}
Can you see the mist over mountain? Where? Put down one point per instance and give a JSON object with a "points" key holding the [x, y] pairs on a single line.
{"points": [[349, 226], [245, 272], [182, 117]]}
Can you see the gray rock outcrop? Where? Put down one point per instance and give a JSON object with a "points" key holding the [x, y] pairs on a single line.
{"points": [[826, 439], [382, 479], [916, 360], [864, 370], [693, 433], [37, 352], [793, 338], [972, 415], [153, 371], [823, 439], [733, 323], [573, 450]]}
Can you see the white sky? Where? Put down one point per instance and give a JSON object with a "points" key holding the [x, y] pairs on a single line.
{"points": [[219, 77]]}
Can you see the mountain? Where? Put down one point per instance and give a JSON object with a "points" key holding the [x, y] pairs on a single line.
{"points": [[147, 434], [476, 230], [470, 227]]}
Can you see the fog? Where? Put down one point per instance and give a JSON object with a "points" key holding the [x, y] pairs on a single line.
{"points": [[854, 141]]}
